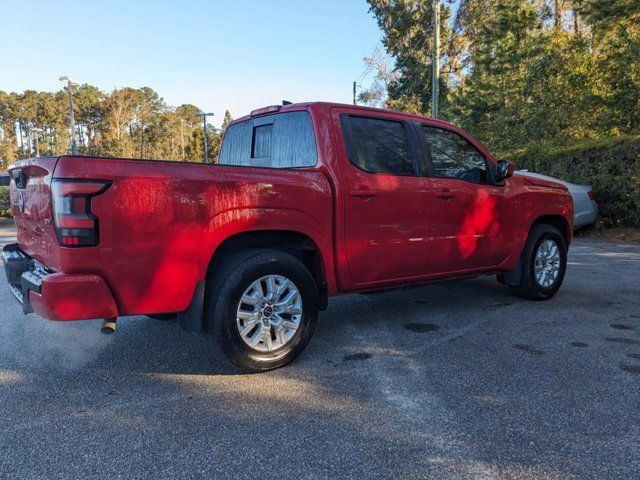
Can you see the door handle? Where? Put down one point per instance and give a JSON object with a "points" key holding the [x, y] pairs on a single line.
{"points": [[445, 194], [362, 192]]}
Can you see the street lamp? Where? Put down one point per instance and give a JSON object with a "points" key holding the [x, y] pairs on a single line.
{"points": [[204, 132], [70, 83], [36, 132]]}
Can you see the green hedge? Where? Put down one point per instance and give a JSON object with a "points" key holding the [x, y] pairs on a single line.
{"points": [[5, 203], [610, 165]]}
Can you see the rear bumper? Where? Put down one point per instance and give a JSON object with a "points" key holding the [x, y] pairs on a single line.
{"points": [[56, 296]]}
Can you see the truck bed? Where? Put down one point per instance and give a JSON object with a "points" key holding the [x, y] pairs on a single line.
{"points": [[160, 222]]}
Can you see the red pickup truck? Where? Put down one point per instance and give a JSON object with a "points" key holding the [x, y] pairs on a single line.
{"points": [[306, 201]]}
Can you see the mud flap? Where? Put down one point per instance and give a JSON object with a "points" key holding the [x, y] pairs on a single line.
{"points": [[192, 319], [514, 277]]}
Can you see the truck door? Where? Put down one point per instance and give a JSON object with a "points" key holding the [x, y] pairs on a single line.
{"points": [[469, 221], [385, 197]]}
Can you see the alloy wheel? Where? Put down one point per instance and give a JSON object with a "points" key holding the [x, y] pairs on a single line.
{"points": [[269, 313], [547, 263]]}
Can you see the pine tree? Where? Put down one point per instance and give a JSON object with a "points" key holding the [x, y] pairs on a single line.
{"points": [[616, 34], [408, 36], [227, 120]]}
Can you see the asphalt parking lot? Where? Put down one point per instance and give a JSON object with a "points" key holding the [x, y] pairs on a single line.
{"points": [[457, 380]]}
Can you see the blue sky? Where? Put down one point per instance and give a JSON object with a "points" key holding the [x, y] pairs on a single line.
{"points": [[233, 54]]}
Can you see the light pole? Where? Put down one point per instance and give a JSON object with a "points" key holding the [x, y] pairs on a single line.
{"points": [[70, 83], [435, 80], [204, 132], [36, 132]]}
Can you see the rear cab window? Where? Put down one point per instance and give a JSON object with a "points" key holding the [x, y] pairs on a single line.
{"points": [[378, 145], [282, 140]]}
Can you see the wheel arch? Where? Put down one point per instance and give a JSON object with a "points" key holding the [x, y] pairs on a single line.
{"points": [[296, 243], [512, 277], [558, 221]]}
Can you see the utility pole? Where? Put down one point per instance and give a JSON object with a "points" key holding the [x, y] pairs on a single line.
{"points": [[354, 93], [36, 132], [435, 64], [70, 83], [182, 136], [204, 132]]}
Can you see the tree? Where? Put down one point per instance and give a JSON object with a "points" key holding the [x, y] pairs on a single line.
{"points": [[515, 71], [8, 143], [125, 122], [616, 42], [385, 76], [502, 36], [89, 114], [408, 31], [226, 120]]}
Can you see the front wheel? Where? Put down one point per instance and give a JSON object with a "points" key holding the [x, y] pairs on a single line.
{"points": [[543, 263], [262, 305]]}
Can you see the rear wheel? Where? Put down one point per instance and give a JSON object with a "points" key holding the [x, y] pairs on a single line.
{"points": [[262, 305], [543, 263]]}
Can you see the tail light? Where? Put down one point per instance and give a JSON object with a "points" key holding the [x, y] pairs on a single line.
{"points": [[74, 223], [591, 195]]}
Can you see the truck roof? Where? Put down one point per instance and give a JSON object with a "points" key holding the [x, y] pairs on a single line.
{"points": [[292, 107]]}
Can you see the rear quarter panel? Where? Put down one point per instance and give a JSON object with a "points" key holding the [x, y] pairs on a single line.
{"points": [[161, 222]]}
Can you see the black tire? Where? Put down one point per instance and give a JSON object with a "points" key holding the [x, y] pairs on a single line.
{"points": [[225, 287], [529, 286]]}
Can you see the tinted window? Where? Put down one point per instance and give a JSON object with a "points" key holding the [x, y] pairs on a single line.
{"points": [[378, 146], [262, 140], [455, 157], [283, 140]]}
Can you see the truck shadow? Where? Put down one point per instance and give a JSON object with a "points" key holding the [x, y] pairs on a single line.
{"points": [[401, 320], [144, 345]]}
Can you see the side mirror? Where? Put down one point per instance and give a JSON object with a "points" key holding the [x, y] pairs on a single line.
{"points": [[505, 170]]}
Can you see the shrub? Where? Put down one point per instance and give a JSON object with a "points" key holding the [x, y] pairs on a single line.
{"points": [[5, 202], [610, 165]]}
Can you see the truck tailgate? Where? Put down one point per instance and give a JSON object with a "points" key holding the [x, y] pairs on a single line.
{"points": [[31, 206]]}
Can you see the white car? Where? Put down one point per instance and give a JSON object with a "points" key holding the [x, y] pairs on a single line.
{"points": [[585, 208]]}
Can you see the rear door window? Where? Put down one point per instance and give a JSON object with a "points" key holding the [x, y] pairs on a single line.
{"points": [[378, 145], [283, 140]]}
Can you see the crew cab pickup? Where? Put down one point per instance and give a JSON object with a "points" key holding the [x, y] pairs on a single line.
{"points": [[306, 201]]}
